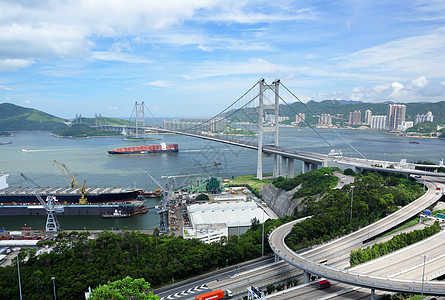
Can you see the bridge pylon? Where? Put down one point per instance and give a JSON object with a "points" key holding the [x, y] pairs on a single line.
{"points": [[140, 116], [270, 126]]}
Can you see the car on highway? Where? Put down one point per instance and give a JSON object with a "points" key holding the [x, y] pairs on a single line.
{"points": [[322, 284]]}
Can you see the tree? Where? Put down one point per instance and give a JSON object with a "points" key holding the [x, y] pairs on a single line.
{"points": [[202, 197], [127, 288]]}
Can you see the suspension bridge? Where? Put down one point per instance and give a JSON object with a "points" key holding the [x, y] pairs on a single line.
{"points": [[253, 122]]}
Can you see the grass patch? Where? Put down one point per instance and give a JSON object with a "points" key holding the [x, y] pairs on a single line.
{"points": [[405, 225]]}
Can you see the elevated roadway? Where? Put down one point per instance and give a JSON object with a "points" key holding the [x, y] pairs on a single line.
{"points": [[334, 249]]}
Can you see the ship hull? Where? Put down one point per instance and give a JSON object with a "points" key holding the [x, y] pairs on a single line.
{"points": [[141, 152], [162, 148], [7, 198]]}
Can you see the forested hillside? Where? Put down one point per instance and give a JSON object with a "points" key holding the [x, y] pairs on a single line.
{"points": [[13, 117]]}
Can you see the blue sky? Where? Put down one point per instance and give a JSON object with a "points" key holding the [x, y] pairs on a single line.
{"points": [[194, 58]]}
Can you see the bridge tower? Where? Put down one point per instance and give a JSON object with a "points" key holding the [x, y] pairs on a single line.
{"points": [[140, 116], [263, 128]]}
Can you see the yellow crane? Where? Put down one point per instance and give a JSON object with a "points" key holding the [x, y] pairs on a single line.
{"points": [[66, 173], [71, 178]]}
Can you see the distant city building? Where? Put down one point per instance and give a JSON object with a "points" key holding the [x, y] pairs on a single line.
{"points": [[378, 122], [324, 120], [271, 118], [405, 125], [368, 115], [218, 124], [395, 116], [424, 117], [355, 118], [300, 118]]}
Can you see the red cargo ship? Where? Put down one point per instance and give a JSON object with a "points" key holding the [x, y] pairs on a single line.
{"points": [[146, 149]]}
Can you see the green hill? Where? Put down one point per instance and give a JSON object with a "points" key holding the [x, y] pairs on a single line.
{"points": [[13, 117], [105, 121], [83, 131], [425, 127]]}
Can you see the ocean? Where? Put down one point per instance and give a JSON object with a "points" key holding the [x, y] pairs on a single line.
{"points": [[88, 160]]}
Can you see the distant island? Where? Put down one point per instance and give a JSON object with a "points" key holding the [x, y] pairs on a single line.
{"points": [[233, 131], [79, 131], [17, 118], [5, 133]]}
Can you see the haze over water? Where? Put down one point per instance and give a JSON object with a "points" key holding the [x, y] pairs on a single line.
{"points": [[89, 160]]}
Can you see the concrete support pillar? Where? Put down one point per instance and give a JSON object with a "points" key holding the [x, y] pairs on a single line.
{"points": [[307, 277], [277, 258], [283, 167], [372, 294], [290, 168], [304, 167], [276, 166]]}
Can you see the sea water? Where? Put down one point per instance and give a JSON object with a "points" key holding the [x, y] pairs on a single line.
{"points": [[88, 160]]}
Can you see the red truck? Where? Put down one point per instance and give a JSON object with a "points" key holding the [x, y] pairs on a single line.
{"points": [[218, 294]]}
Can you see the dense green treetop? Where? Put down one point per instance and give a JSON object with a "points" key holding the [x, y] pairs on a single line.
{"points": [[424, 127], [312, 183], [127, 288], [373, 197]]}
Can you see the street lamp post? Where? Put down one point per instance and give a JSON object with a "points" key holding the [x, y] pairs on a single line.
{"points": [[262, 238], [352, 200], [54, 287], [18, 272], [423, 274]]}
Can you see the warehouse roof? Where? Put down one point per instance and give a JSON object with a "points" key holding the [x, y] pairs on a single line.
{"points": [[234, 214]]}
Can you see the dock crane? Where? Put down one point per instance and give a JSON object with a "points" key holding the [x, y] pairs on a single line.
{"points": [[51, 206], [71, 178], [66, 173], [162, 209]]}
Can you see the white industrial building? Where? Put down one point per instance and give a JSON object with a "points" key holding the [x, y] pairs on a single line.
{"points": [[236, 215]]}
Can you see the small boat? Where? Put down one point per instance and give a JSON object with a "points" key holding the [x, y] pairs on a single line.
{"points": [[23, 150], [151, 194], [116, 214], [413, 142], [5, 143], [216, 163]]}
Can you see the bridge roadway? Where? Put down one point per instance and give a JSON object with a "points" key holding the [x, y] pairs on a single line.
{"points": [[334, 249], [308, 157]]}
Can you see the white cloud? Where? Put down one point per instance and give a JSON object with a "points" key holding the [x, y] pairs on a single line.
{"points": [[158, 83], [5, 88], [206, 49], [397, 88], [13, 64], [117, 56], [113, 107], [404, 57], [420, 82], [252, 66]]}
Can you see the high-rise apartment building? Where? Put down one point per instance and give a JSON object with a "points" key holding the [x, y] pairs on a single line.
{"points": [[368, 115], [324, 120], [300, 118], [424, 117], [395, 116], [355, 118], [378, 122]]}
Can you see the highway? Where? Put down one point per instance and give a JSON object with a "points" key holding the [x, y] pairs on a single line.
{"points": [[198, 285], [334, 249]]}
